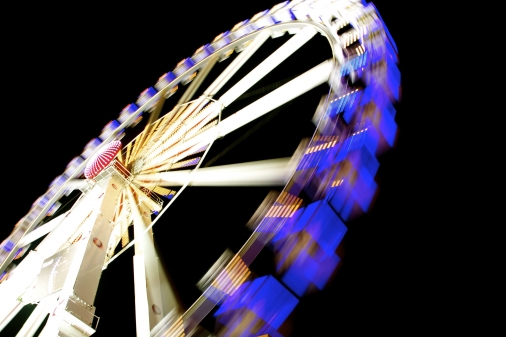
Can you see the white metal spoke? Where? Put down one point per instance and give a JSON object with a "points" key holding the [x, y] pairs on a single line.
{"points": [[197, 81], [150, 280], [166, 158], [200, 140], [70, 227], [38, 315], [15, 287], [75, 184], [161, 212], [281, 54], [236, 64], [182, 113], [188, 94], [156, 155], [287, 92], [168, 126], [141, 300], [9, 312], [141, 297], [143, 198], [255, 75], [42, 230], [136, 214], [121, 222], [169, 162], [278, 97], [259, 173]]}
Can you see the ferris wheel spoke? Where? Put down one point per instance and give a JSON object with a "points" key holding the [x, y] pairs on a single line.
{"points": [[141, 296], [236, 64], [158, 108], [150, 281], [127, 153], [123, 222], [143, 198], [188, 138], [156, 129], [259, 72], [254, 76], [38, 315], [267, 103], [137, 217], [9, 312], [41, 231], [145, 135], [188, 128], [166, 127], [175, 162], [196, 83], [120, 157], [153, 121], [197, 148], [119, 228], [281, 54], [167, 157], [182, 131], [18, 286], [75, 184], [258, 173], [136, 147], [287, 92], [182, 113]]}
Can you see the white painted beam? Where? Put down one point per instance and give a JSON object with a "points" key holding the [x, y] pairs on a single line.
{"points": [[260, 173], [287, 92], [281, 54]]}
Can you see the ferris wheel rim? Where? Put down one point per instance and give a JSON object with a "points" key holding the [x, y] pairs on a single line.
{"points": [[199, 65]]}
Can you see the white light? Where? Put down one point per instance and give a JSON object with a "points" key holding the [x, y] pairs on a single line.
{"points": [[260, 173]]}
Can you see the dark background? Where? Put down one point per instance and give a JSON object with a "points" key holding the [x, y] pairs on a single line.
{"points": [[66, 72]]}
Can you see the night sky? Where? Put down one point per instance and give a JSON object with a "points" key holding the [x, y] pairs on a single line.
{"points": [[66, 76]]}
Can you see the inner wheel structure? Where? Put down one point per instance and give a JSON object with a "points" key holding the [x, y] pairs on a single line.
{"points": [[272, 131]]}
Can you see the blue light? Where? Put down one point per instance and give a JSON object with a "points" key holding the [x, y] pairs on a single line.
{"points": [[323, 232], [183, 66], [349, 109], [306, 271], [165, 80], [385, 27], [265, 297], [9, 245]]}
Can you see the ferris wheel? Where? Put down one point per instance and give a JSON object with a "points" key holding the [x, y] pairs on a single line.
{"points": [[329, 64]]}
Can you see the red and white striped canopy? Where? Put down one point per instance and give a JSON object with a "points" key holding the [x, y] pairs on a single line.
{"points": [[103, 158]]}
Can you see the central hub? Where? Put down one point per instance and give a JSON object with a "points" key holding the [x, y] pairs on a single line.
{"points": [[102, 159]]}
